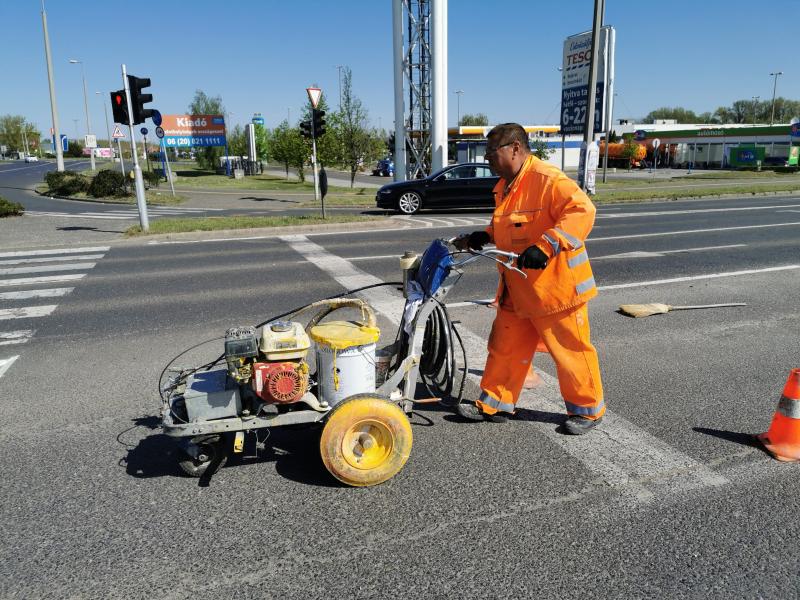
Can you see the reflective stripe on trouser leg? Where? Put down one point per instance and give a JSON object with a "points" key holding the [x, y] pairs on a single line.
{"points": [[567, 337], [511, 345]]}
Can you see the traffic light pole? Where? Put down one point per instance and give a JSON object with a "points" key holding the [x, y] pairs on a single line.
{"points": [[316, 177], [141, 203]]}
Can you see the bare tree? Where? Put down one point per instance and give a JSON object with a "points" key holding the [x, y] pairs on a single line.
{"points": [[355, 137]]}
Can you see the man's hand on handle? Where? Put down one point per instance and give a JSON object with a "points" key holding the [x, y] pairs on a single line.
{"points": [[474, 241]]}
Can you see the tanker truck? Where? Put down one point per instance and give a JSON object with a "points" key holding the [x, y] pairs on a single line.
{"points": [[617, 155]]}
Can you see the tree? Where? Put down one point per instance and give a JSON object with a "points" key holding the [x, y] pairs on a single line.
{"points": [[13, 131], [541, 150], [681, 115], [207, 157], [262, 142], [74, 149], [237, 141], [629, 149], [289, 148], [357, 141], [477, 119]]}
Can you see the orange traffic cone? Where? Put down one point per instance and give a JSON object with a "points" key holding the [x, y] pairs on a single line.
{"points": [[783, 438]]}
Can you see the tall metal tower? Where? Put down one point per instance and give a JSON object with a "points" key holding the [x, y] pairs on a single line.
{"points": [[420, 75]]}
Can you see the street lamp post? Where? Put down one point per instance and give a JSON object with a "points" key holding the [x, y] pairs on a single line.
{"points": [[85, 106], [108, 130], [51, 84], [774, 87], [458, 107]]}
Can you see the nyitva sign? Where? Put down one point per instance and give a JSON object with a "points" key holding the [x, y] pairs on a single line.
{"points": [[193, 130]]}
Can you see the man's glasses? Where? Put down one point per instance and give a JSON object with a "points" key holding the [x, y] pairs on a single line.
{"points": [[494, 150]]}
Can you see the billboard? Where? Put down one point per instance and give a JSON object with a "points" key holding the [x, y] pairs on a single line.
{"points": [[184, 131], [575, 68]]}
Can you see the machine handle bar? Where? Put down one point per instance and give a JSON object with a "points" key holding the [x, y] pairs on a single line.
{"points": [[491, 254]]}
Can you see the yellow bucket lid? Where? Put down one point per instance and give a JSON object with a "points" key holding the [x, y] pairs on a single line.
{"points": [[340, 335]]}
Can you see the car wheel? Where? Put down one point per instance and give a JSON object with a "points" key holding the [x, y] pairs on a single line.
{"points": [[409, 203]]}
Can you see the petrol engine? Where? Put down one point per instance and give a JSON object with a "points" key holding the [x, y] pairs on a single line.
{"points": [[274, 366]]}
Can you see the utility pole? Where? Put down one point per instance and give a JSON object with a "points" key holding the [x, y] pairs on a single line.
{"points": [[774, 87], [458, 107], [52, 85], [108, 131], [141, 202]]}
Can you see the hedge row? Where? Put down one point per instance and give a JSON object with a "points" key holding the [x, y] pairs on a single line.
{"points": [[10, 209], [106, 184]]}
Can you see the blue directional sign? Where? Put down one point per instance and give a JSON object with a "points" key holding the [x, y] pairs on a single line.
{"points": [[64, 143], [143, 130], [258, 120], [156, 118]]}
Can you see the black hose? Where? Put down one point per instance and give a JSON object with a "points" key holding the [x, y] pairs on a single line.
{"points": [[438, 362]]}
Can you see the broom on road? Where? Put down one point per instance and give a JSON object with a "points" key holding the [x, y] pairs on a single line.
{"points": [[654, 308]]}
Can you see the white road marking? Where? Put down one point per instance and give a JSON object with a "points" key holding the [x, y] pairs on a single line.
{"points": [[689, 231], [379, 257], [47, 268], [15, 337], [56, 251], [696, 277], [791, 211], [24, 295], [620, 453], [27, 312], [5, 363], [32, 213], [618, 286], [20, 261], [38, 280], [660, 253], [691, 211]]}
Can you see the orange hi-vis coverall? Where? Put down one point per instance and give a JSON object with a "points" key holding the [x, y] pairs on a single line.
{"points": [[543, 207]]}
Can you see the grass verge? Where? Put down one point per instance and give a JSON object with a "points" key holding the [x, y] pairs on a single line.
{"points": [[152, 196], [606, 195], [10, 209], [240, 222]]}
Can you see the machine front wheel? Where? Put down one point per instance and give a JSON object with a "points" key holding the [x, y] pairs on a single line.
{"points": [[209, 451], [366, 440]]}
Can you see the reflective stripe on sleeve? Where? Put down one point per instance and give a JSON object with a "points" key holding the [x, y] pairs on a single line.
{"points": [[588, 411], [496, 404], [585, 286], [578, 260], [554, 243], [574, 242], [789, 407]]}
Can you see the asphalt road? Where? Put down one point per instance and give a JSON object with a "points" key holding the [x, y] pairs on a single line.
{"points": [[669, 498]]}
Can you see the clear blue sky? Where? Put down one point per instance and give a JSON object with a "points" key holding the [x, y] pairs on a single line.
{"points": [[504, 54]]}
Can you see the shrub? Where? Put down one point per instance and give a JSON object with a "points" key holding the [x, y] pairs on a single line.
{"points": [[108, 183], [151, 178], [10, 209], [66, 183]]}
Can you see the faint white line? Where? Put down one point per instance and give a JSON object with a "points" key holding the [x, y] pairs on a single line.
{"points": [[5, 363], [24, 295], [27, 312], [661, 213], [56, 251], [38, 280], [696, 277], [21, 336], [20, 261], [379, 257], [659, 253], [47, 268], [688, 231]]}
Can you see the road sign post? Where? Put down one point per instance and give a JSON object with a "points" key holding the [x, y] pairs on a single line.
{"points": [[141, 202], [118, 135], [313, 97], [656, 144]]}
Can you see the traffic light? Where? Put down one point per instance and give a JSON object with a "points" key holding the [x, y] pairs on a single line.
{"points": [[319, 122], [119, 107], [305, 129], [138, 99]]}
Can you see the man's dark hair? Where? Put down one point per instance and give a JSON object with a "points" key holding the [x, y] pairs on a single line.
{"points": [[506, 133]]}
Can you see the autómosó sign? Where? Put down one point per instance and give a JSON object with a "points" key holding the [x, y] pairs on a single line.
{"points": [[183, 131]]}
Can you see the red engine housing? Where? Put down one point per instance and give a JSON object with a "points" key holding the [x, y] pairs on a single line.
{"points": [[280, 382]]}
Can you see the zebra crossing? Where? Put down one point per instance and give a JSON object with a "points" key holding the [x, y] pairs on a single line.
{"points": [[126, 213], [416, 221], [24, 277]]}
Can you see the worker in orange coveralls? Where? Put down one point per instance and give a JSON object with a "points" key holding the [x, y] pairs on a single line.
{"points": [[543, 216]]}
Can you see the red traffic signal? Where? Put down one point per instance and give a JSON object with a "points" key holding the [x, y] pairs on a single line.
{"points": [[119, 106]]}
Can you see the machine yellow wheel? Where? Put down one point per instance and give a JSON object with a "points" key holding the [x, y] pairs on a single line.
{"points": [[366, 440]]}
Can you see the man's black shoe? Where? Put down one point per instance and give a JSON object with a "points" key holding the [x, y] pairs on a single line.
{"points": [[473, 413], [577, 425]]}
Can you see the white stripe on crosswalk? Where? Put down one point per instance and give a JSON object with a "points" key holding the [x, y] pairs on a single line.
{"points": [[5, 363], [47, 268], [27, 312], [55, 251], [20, 261], [15, 337], [73, 216], [38, 280], [26, 294]]}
